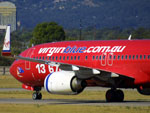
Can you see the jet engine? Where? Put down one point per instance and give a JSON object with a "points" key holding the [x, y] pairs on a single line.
{"points": [[144, 90], [64, 82]]}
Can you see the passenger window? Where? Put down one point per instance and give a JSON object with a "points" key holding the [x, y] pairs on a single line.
{"points": [[86, 57], [60, 58], [110, 57], [39, 57], [36, 57], [63, 57], [122, 57], [129, 57], [56, 57], [67, 57], [140, 57], [49, 58], [74, 57], [46, 58], [103, 57], [144, 57], [53, 58], [93, 57], [71, 57], [78, 57], [100, 57], [133, 57], [126, 57], [43, 58], [148, 56], [114, 57], [137, 57], [118, 57], [96, 57]]}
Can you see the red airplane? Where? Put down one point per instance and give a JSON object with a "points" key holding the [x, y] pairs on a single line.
{"points": [[70, 66]]}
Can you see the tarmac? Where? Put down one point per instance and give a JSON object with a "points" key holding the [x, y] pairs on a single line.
{"points": [[69, 101], [73, 102]]}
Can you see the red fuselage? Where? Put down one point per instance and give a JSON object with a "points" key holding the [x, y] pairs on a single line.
{"points": [[130, 58]]}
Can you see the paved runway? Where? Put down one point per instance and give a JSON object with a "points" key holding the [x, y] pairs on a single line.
{"points": [[73, 102], [69, 101]]}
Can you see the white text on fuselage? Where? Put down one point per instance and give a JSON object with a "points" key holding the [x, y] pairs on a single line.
{"points": [[93, 49]]}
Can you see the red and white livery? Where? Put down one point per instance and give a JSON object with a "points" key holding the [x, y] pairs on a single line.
{"points": [[68, 67]]}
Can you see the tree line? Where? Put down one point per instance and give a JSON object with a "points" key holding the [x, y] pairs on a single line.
{"points": [[52, 32]]}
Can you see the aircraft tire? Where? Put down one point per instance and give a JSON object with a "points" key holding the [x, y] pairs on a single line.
{"points": [[110, 95], [114, 96], [39, 96], [36, 96], [119, 95]]}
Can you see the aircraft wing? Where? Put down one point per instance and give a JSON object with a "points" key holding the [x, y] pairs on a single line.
{"points": [[80, 71]]}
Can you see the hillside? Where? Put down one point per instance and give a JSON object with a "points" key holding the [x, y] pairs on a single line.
{"points": [[95, 13]]}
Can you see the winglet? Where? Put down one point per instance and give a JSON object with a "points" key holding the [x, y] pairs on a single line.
{"points": [[6, 46]]}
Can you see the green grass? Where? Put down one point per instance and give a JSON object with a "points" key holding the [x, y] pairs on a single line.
{"points": [[24, 108], [8, 81]]}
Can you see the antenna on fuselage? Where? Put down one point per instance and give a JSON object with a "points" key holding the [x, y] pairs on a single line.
{"points": [[130, 37]]}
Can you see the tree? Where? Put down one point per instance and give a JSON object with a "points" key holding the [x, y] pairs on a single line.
{"points": [[47, 32]]}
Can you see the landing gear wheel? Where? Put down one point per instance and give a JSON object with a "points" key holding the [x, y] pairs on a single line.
{"points": [[110, 95], [119, 95], [36, 96], [114, 96]]}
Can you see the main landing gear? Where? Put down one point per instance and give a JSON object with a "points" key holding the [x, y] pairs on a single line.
{"points": [[114, 95], [37, 95]]}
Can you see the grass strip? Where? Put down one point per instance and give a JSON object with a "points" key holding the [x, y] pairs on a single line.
{"points": [[24, 108], [8, 81]]}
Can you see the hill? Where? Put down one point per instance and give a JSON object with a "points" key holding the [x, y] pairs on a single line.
{"points": [[95, 13]]}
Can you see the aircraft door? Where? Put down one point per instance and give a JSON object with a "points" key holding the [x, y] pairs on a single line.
{"points": [[29, 55]]}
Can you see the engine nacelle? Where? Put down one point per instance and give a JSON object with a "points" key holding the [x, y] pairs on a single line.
{"points": [[144, 91], [64, 82]]}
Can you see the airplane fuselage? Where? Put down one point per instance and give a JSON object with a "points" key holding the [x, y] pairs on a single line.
{"points": [[129, 58]]}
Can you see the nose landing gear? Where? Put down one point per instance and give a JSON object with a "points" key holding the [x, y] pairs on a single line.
{"points": [[114, 95], [37, 95]]}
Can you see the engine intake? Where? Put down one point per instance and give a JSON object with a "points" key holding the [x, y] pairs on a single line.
{"points": [[64, 82]]}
